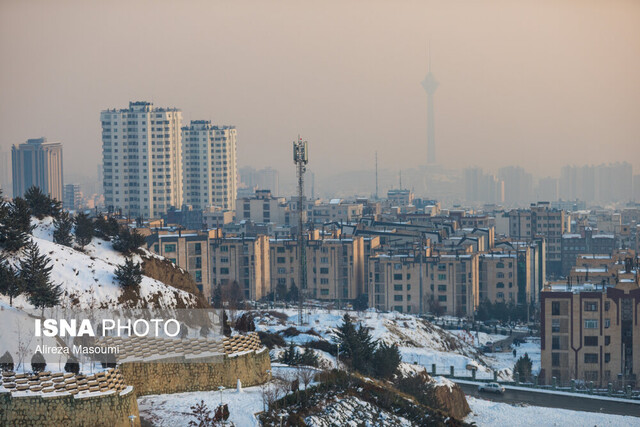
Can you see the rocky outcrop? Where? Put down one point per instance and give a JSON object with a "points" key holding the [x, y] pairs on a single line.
{"points": [[166, 272], [449, 398]]}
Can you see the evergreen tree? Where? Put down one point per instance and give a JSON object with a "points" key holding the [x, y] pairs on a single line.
{"points": [[63, 225], [226, 329], [126, 241], [6, 362], [361, 303], [309, 357], [204, 330], [522, 368], [202, 415], [40, 204], [11, 284], [84, 230], [245, 323], [281, 291], [38, 364], [217, 297], [290, 356], [16, 226], [293, 293], [72, 365], [356, 345], [129, 274], [106, 228], [35, 272], [386, 360]]}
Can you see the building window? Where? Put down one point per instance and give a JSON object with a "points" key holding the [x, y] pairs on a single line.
{"points": [[590, 341], [607, 357], [555, 359], [169, 248], [324, 281], [500, 285], [591, 358], [397, 276], [224, 270], [198, 276], [500, 295], [397, 266], [442, 288], [442, 298], [591, 324], [281, 260], [500, 265], [500, 275], [555, 308], [397, 287], [590, 306], [607, 305], [324, 270], [607, 323], [607, 340], [324, 292], [397, 298], [555, 343], [555, 325], [442, 277]]}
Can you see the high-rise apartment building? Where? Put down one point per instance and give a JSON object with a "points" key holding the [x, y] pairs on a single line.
{"points": [[72, 197], [37, 163], [5, 173], [210, 166], [142, 159]]}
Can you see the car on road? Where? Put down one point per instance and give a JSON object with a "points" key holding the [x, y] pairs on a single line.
{"points": [[492, 388]]}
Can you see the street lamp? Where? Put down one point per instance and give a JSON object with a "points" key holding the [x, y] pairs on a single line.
{"points": [[338, 357], [221, 388]]}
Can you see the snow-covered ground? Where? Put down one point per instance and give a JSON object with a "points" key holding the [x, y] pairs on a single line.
{"points": [[175, 409], [88, 279], [477, 338], [505, 360], [420, 342], [487, 413]]}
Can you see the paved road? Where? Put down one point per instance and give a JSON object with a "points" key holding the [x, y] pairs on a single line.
{"points": [[573, 402]]}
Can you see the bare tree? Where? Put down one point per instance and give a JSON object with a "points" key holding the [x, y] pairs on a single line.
{"points": [[305, 376]]}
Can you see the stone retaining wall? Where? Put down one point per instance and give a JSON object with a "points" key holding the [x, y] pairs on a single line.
{"points": [[108, 409], [179, 377]]}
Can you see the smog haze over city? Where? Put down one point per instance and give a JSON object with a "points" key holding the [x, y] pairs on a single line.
{"points": [[540, 84]]}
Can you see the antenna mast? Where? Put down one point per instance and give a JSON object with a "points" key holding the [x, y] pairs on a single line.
{"points": [[376, 175], [301, 158]]}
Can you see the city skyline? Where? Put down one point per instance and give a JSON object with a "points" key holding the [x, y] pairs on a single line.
{"points": [[514, 86]]}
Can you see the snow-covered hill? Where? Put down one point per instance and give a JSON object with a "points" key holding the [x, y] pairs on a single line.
{"points": [[88, 279]]}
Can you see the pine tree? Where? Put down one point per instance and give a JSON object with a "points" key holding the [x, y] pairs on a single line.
{"points": [[129, 274], [386, 360], [217, 297], [6, 362], [35, 272], [16, 226], [292, 295], [38, 363], [63, 225], [127, 241], [309, 357], [84, 230], [290, 356], [72, 365], [356, 345], [40, 204], [361, 303], [522, 368], [11, 284], [202, 415], [226, 329]]}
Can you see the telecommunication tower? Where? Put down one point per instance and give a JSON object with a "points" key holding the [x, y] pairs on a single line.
{"points": [[301, 158]]}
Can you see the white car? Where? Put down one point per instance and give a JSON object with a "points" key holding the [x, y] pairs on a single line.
{"points": [[491, 387]]}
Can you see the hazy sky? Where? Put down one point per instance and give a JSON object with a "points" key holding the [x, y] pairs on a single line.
{"points": [[536, 83]]}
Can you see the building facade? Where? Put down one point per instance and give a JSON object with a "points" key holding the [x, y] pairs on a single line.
{"points": [[142, 159], [210, 165], [38, 163]]}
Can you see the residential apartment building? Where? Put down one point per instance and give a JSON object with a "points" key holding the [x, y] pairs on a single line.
{"points": [[72, 197], [262, 207], [506, 277], [541, 220], [242, 260], [337, 210], [38, 163], [586, 243], [335, 267], [188, 251], [142, 159], [449, 283], [590, 333], [209, 165]]}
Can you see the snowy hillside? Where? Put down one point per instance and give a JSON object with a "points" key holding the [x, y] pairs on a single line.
{"points": [[88, 278], [419, 341]]}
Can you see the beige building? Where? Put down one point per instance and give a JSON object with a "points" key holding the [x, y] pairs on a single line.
{"points": [[188, 251], [590, 333], [335, 267], [242, 260], [262, 207], [541, 220], [449, 283], [506, 277], [37, 163]]}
